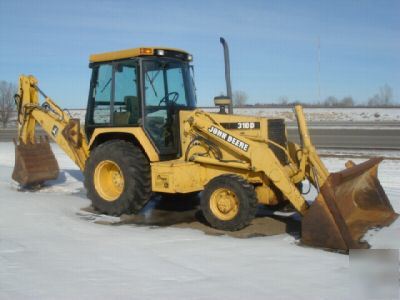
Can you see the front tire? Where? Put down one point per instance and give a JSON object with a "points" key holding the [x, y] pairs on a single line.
{"points": [[229, 202], [117, 178]]}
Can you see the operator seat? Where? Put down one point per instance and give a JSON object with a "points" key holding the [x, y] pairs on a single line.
{"points": [[133, 107]]}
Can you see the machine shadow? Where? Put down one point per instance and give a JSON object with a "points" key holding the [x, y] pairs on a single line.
{"points": [[61, 179], [64, 174]]}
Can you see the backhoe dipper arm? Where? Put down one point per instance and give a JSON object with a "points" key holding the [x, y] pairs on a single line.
{"points": [[260, 156], [57, 123]]}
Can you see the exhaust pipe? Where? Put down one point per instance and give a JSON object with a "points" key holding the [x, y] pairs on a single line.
{"points": [[227, 74]]}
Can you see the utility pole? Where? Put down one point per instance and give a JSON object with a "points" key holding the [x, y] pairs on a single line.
{"points": [[319, 68]]}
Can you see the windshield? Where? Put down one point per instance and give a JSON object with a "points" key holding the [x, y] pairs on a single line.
{"points": [[168, 82]]}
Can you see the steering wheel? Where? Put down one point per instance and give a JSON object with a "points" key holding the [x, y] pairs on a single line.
{"points": [[170, 97]]}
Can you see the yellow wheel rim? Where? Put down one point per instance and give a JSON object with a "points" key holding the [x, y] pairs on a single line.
{"points": [[108, 180], [224, 204]]}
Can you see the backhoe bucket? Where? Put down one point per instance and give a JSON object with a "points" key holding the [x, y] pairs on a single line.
{"points": [[349, 203], [34, 163]]}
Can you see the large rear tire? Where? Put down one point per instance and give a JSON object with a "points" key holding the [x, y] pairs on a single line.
{"points": [[229, 202], [117, 178]]}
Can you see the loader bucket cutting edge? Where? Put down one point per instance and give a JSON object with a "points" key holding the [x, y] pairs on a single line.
{"points": [[34, 163], [349, 203]]}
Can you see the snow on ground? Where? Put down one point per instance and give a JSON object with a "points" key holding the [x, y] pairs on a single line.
{"points": [[331, 116], [365, 153], [325, 114], [312, 114], [47, 251]]}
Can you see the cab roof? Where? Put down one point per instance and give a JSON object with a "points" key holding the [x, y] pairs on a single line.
{"points": [[136, 52]]}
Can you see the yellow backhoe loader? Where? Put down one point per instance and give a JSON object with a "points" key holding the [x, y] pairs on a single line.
{"points": [[143, 135]]}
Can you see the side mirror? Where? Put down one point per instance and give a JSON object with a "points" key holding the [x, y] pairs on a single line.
{"points": [[222, 102]]}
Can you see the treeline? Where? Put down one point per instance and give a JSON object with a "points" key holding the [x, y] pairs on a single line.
{"points": [[384, 98], [7, 106]]}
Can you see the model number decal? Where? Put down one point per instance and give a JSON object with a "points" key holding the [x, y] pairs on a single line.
{"points": [[241, 125], [230, 139], [246, 125]]}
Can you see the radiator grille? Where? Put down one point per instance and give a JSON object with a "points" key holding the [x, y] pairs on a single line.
{"points": [[276, 133]]}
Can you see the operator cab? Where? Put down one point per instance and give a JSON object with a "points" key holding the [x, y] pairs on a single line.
{"points": [[142, 87]]}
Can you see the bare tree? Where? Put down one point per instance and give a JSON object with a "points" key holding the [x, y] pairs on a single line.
{"points": [[386, 94], [347, 102], [7, 105], [383, 98], [374, 101], [283, 100], [240, 98], [331, 101]]}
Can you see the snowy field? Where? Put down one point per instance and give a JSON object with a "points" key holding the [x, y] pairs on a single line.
{"points": [[326, 114], [330, 117], [312, 114], [47, 251]]}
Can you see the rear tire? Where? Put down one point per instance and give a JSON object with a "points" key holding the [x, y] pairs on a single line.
{"points": [[229, 202], [135, 190]]}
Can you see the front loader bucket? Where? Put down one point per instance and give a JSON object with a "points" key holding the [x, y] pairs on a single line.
{"points": [[34, 163], [349, 203]]}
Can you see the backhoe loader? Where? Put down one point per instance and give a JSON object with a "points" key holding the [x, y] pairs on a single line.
{"points": [[144, 135]]}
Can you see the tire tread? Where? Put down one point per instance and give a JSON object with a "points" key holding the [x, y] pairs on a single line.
{"points": [[247, 209], [138, 184]]}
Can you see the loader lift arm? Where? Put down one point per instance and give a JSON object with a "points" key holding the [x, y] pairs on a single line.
{"points": [[57, 123], [260, 157], [257, 156]]}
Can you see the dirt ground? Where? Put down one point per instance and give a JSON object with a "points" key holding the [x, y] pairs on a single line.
{"points": [[185, 213]]}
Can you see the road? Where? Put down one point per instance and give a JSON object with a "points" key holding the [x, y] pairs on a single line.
{"points": [[352, 138], [341, 136], [358, 124]]}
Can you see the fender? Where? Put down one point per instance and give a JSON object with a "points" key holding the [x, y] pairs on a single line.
{"points": [[136, 132]]}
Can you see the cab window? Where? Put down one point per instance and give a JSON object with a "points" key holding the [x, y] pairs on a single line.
{"points": [[102, 95], [126, 100], [115, 95]]}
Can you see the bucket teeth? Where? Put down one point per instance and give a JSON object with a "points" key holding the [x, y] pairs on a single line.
{"points": [[34, 163], [349, 203]]}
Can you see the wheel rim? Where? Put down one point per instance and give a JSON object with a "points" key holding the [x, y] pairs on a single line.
{"points": [[224, 204], [108, 180]]}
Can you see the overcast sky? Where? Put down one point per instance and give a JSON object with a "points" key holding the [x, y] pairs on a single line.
{"points": [[273, 44]]}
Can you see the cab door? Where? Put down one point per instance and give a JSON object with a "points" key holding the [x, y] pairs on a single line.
{"points": [[164, 94]]}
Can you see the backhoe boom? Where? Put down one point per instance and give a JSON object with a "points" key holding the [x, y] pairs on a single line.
{"points": [[57, 123]]}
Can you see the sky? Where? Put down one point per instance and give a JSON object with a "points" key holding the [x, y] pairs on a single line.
{"points": [[273, 44]]}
